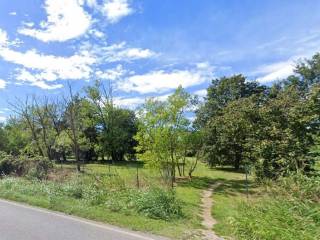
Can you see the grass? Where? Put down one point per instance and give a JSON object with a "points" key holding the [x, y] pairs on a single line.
{"points": [[264, 212], [119, 177], [272, 210]]}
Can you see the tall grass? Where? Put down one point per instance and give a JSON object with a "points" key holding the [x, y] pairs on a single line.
{"points": [[289, 210]]}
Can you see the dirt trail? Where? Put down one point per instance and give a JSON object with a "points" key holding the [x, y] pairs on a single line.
{"points": [[208, 221]]}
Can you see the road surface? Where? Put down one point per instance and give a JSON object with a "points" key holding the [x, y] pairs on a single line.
{"points": [[22, 222]]}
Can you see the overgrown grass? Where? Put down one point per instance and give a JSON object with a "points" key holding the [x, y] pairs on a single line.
{"points": [[110, 194], [287, 209]]}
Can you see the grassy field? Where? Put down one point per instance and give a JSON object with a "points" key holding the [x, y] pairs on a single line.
{"points": [[258, 213], [117, 177]]}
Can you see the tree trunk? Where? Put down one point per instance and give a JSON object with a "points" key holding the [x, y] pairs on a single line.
{"points": [[78, 160], [237, 161]]}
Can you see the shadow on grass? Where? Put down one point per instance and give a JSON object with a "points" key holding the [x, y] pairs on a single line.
{"points": [[225, 187], [197, 182], [234, 187], [230, 169], [129, 164]]}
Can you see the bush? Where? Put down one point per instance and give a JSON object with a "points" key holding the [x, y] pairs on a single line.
{"points": [[38, 167], [154, 203], [33, 167], [10, 165], [158, 203]]}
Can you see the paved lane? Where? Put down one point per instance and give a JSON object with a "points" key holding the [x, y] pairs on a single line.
{"points": [[22, 222]]}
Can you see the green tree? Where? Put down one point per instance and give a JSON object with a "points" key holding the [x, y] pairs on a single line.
{"points": [[229, 135], [116, 126], [161, 131], [225, 90]]}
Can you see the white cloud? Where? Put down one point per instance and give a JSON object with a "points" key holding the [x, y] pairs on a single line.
{"points": [[119, 52], [203, 65], [92, 3], [275, 71], [3, 39], [73, 67], [38, 80], [3, 119], [28, 24], [66, 19], [116, 52], [13, 13], [114, 10], [112, 74], [134, 102], [3, 84], [201, 93], [37, 69], [131, 103], [161, 81]]}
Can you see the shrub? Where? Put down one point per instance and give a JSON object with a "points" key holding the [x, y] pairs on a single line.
{"points": [[33, 167], [154, 203], [158, 203], [73, 188], [38, 167], [10, 164]]}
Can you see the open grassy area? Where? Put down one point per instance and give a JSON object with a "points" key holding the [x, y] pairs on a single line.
{"points": [[60, 193], [107, 194]]}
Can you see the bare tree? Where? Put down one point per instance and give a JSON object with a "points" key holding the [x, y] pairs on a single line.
{"points": [[25, 111], [72, 114]]}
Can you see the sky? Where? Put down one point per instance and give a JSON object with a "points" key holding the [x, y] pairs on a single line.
{"points": [[148, 48]]}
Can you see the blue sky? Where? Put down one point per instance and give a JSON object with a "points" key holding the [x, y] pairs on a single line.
{"points": [[148, 48]]}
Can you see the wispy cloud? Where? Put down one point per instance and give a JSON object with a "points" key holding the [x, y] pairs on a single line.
{"points": [[131, 103], [161, 81], [112, 74], [120, 52], [275, 71], [3, 84]]}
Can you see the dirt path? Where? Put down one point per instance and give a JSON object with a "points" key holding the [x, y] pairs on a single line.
{"points": [[208, 221]]}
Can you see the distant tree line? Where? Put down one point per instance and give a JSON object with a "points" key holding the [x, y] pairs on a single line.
{"points": [[273, 129], [86, 127]]}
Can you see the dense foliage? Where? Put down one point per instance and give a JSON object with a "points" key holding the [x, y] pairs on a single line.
{"points": [[84, 127], [273, 130], [165, 135]]}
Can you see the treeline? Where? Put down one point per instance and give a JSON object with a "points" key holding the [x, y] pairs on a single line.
{"points": [[86, 127], [274, 130]]}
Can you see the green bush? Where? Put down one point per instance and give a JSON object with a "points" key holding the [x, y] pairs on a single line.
{"points": [[38, 167], [32, 167], [154, 203], [10, 165], [158, 203]]}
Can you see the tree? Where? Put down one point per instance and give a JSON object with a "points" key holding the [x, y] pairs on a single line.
{"points": [[3, 139], [225, 90], [117, 126], [228, 136], [161, 131], [288, 123], [74, 124]]}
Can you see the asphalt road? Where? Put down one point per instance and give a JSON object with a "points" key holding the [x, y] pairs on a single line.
{"points": [[22, 222]]}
